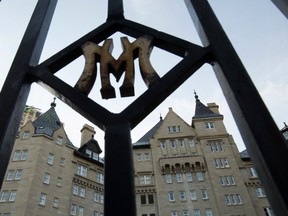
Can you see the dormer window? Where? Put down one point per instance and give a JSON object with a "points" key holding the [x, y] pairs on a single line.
{"points": [[59, 140], [174, 129], [209, 125], [88, 153], [26, 134], [95, 156]]}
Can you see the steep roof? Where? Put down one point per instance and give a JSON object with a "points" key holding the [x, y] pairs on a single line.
{"points": [[48, 122], [145, 139], [202, 111]]}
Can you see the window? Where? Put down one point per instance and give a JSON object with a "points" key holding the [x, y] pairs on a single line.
{"points": [[62, 161], [59, 140], [163, 144], [260, 192], [181, 143], [10, 175], [252, 172], [16, 155], [171, 196], [200, 176], [268, 211], [82, 192], [24, 155], [182, 195], [172, 144], [96, 213], [18, 174], [95, 156], [209, 125], [208, 212], [221, 162], [216, 146], [150, 198], [189, 177], [100, 177], [3, 197], [193, 195], [26, 135], [80, 211], [173, 213], [144, 180], [197, 212], [59, 182], [179, 177], [168, 178], [46, 178], [73, 209], [185, 213], [204, 194], [12, 196], [234, 199], [143, 199], [191, 143], [75, 189], [56, 202], [227, 180], [42, 199], [139, 157], [82, 170], [50, 159], [147, 156], [174, 129], [98, 197]]}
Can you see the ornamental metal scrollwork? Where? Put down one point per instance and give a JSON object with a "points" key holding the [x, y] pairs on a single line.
{"points": [[93, 53]]}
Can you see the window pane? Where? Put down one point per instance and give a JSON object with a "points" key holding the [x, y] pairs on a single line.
{"points": [[150, 199], [143, 199]]}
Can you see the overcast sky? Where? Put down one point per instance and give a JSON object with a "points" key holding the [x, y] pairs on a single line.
{"points": [[257, 30]]}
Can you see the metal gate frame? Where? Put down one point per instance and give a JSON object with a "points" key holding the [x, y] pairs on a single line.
{"points": [[264, 142]]}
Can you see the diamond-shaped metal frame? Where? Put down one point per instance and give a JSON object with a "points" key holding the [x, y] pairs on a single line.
{"points": [[256, 125]]}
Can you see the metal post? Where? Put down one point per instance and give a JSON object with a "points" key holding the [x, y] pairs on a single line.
{"points": [[16, 88], [119, 187], [264, 142]]}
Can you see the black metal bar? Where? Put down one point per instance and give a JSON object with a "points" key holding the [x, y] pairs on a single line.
{"points": [[119, 171], [72, 97], [115, 10], [282, 6], [264, 142], [16, 88]]}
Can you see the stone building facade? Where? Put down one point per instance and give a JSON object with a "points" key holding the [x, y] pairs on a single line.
{"points": [[181, 169]]}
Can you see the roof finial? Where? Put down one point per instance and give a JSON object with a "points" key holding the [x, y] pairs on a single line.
{"points": [[285, 124], [161, 117], [196, 96], [53, 104]]}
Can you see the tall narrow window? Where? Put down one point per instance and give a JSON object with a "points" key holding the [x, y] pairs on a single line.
{"points": [[100, 177], [24, 155], [3, 197], [171, 196], [260, 192], [80, 211], [191, 143], [193, 195], [179, 177], [182, 195], [204, 194], [12, 196], [200, 176], [168, 178], [56, 202], [252, 172], [73, 209], [197, 212], [46, 178], [189, 177], [50, 159], [268, 211], [82, 192], [143, 199], [10, 175], [150, 198], [18, 174], [173, 213], [185, 213], [59, 182], [42, 199], [172, 144], [163, 144], [16, 155], [181, 143]]}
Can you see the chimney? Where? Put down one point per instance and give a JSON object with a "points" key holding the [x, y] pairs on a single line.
{"points": [[87, 133], [213, 107]]}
